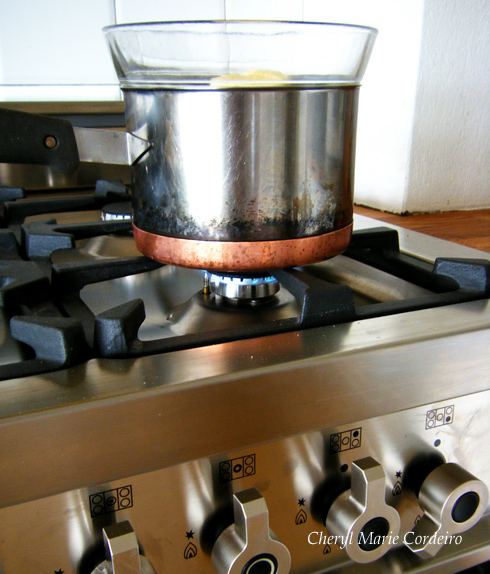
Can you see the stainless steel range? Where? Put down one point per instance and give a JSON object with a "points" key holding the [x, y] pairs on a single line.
{"points": [[165, 420]]}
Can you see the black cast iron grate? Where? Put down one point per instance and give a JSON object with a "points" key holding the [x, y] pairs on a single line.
{"points": [[47, 314], [321, 302]]}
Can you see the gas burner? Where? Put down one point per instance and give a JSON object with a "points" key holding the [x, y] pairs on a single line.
{"points": [[243, 287], [114, 211]]}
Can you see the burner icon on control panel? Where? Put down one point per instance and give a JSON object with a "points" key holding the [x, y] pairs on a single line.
{"points": [[346, 440], [439, 417], [240, 467], [111, 501]]}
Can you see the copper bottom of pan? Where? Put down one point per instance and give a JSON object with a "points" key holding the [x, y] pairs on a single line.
{"points": [[242, 255]]}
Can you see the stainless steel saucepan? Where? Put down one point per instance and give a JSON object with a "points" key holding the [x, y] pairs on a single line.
{"points": [[242, 138]]}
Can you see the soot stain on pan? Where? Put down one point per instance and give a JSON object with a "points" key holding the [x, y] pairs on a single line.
{"points": [[167, 214]]}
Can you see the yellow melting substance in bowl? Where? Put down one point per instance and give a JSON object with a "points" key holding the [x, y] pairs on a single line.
{"points": [[252, 79]]}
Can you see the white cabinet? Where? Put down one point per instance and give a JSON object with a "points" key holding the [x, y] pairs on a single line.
{"points": [[264, 10], [129, 11], [55, 50]]}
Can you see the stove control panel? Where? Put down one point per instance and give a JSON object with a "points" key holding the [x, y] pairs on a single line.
{"points": [[361, 517], [248, 546], [453, 501], [403, 492]]}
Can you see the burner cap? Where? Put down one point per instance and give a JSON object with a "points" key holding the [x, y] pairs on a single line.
{"points": [[244, 287], [113, 211]]}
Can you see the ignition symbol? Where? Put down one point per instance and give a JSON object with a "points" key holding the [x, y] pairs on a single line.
{"points": [[301, 517], [397, 489], [190, 551], [398, 486]]}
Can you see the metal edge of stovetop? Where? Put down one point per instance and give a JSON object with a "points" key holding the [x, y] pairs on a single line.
{"points": [[426, 247], [58, 433]]}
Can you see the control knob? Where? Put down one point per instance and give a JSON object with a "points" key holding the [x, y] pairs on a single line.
{"points": [[122, 552], [365, 525], [453, 501], [248, 546]]}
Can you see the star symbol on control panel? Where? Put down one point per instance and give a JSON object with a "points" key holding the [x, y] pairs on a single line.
{"points": [[398, 474], [60, 571], [189, 534], [301, 501]]}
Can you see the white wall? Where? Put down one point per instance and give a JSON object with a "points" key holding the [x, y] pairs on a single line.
{"points": [[450, 159], [388, 93], [424, 116]]}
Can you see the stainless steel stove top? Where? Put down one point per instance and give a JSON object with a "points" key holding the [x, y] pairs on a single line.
{"points": [[166, 439]]}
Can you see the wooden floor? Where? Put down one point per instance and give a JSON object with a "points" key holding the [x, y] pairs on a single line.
{"points": [[471, 228]]}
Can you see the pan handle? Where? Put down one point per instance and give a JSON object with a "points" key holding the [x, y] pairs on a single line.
{"points": [[35, 139]]}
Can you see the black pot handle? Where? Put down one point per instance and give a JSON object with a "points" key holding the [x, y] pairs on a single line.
{"points": [[35, 139]]}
